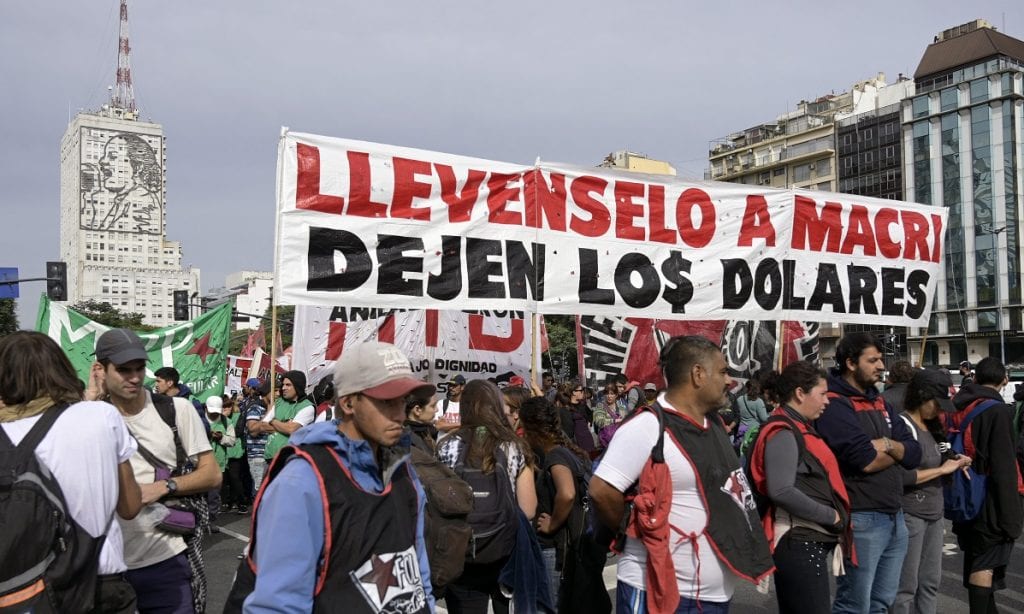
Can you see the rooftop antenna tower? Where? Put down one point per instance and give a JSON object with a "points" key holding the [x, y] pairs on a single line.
{"points": [[124, 94]]}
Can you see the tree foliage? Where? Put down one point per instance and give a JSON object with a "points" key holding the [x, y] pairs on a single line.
{"points": [[111, 316], [8, 316], [562, 345]]}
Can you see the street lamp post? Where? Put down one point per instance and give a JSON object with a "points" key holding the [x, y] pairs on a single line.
{"points": [[994, 232]]}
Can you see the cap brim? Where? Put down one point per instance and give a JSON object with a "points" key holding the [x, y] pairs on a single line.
{"points": [[946, 405], [397, 388]]}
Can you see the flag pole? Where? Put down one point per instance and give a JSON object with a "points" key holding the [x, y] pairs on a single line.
{"points": [[533, 349], [273, 349]]}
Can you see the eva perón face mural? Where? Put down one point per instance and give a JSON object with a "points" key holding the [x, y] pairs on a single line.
{"points": [[121, 186]]}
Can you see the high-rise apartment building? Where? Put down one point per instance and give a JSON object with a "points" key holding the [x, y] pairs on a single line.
{"points": [[113, 224], [964, 150], [797, 150]]}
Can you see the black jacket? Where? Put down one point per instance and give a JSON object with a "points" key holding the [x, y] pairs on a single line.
{"points": [[1002, 517]]}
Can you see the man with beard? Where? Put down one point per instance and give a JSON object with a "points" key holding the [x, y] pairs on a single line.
{"points": [[712, 535], [862, 430]]}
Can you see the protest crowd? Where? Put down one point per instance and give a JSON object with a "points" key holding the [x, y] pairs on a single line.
{"points": [[372, 492]]}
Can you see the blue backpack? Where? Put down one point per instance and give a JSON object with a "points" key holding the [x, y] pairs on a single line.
{"points": [[964, 495]]}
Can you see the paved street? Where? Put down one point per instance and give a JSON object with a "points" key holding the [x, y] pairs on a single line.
{"points": [[223, 547]]}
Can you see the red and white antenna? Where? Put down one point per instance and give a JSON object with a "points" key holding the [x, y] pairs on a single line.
{"points": [[124, 95]]}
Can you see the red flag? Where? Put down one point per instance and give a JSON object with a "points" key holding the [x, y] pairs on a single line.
{"points": [[256, 340]]}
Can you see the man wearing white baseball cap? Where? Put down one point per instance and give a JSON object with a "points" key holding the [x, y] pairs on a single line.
{"points": [[339, 520]]}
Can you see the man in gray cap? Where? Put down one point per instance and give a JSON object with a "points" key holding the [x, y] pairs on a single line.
{"points": [[166, 572], [340, 517]]}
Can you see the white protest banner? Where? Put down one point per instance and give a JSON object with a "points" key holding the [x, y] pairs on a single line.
{"points": [[439, 344], [368, 225], [238, 374]]}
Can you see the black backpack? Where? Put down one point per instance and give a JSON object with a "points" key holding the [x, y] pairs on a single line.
{"points": [[494, 518], [47, 562], [446, 528]]}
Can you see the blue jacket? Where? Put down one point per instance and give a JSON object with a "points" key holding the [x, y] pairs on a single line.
{"points": [[290, 526]]}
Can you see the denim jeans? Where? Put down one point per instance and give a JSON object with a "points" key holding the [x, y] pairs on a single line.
{"points": [[630, 600], [870, 585], [550, 556]]}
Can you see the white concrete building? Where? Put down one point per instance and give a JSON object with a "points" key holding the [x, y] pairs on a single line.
{"points": [[113, 216], [254, 290]]}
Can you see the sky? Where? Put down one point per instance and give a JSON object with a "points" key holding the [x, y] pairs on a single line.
{"points": [[566, 81]]}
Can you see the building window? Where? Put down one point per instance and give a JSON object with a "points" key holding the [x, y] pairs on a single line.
{"points": [[979, 90], [948, 99], [823, 167], [779, 172], [889, 152], [801, 172], [920, 106], [866, 134], [847, 139]]}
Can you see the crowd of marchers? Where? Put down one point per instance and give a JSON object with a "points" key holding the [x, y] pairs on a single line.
{"points": [[372, 493]]}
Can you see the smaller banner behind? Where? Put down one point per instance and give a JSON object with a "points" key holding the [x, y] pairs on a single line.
{"points": [[197, 349], [609, 346], [439, 344]]}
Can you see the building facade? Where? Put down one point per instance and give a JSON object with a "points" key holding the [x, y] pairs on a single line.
{"points": [[252, 292], [113, 216], [637, 162], [797, 150], [962, 134]]}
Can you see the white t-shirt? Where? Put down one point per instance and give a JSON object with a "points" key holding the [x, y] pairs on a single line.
{"points": [[447, 411], [621, 467], [307, 415], [145, 545], [82, 450]]}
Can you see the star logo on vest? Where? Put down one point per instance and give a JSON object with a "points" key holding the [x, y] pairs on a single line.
{"points": [[738, 489], [390, 582]]}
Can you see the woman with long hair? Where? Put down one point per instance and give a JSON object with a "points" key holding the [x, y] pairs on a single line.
{"points": [[575, 416], [808, 509], [561, 465], [925, 396], [87, 449], [485, 442], [515, 396]]}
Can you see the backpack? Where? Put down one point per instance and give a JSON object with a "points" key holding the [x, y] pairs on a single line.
{"points": [[495, 516], [48, 563], [746, 458], [446, 528], [964, 495]]}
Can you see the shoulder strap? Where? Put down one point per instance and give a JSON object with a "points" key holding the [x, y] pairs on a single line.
{"points": [[168, 413], [910, 425], [35, 435], [658, 451], [976, 411], [788, 423]]}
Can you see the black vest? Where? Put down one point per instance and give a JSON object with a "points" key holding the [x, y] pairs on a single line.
{"points": [[370, 562], [734, 529]]}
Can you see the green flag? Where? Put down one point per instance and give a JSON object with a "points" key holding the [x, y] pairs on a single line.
{"points": [[198, 349]]}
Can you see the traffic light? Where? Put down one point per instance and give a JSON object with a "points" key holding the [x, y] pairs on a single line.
{"points": [[57, 281], [181, 305]]}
